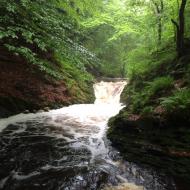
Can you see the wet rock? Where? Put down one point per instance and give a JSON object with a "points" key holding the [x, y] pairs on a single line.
{"points": [[26, 111], [149, 141], [46, 109], [34, 111], [40, 111], [4, 112]]}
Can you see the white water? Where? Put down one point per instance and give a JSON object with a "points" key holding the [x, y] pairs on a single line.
{"points": [[106, 105], [87, 121], [82, 126]]}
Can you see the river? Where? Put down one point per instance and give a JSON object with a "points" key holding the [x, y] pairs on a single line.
{"points": [[67, 149]]}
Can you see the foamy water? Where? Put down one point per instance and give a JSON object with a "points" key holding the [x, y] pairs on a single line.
{"points": [[82, 120]]}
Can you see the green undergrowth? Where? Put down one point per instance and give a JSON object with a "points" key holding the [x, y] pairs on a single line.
{"points": [[144, 64], [153, 129], [179, 99], [161, 82], [78, 81]]}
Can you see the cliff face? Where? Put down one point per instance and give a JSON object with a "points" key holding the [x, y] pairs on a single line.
{"points": [[23, 86]]}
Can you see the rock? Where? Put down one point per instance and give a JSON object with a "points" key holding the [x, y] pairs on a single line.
{"points": [[4, 112], [26, 111], [40, 111], [46, 109], [146, 140]]}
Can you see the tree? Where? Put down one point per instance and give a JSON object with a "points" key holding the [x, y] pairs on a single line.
{"points": [[180, 28], [33, 29], [159, 9]]}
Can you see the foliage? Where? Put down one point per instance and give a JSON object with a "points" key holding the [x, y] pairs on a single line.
{"points": [[76, 80], [123, 34], [128, 37], [143, 99], [132, 30], [147, 110], [179, 100], [159, 84], [33, 28]]}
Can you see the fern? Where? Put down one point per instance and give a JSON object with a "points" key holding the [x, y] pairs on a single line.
{"points": [[179, 100]]}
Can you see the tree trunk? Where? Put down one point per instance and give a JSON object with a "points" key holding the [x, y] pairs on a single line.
{"points": [[159, 8], [180, 29], [123, 69], [160, 31], [174, 27]]}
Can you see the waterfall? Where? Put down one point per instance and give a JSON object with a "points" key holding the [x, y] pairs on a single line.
{"points": [[108, 92]]}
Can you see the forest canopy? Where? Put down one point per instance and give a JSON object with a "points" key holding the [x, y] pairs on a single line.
{"points": [[122, 35], [136, 29]]}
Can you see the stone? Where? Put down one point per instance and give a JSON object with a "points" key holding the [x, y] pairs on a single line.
{"points": [[46, 109], [40, 111], [26, 111]]}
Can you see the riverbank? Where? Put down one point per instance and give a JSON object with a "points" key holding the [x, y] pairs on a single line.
{"points": [[144, 141], [23, 87], [153, 130]]}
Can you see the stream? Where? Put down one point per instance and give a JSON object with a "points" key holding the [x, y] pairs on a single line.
{"points": [[67, 149]]}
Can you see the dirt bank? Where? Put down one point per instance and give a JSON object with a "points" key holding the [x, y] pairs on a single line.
{"points": [[23, 86]]}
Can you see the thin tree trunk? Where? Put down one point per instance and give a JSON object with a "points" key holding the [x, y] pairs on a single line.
{"points": [[159, 31], [174, 28], [159, 8], [123, 69], [177, 35], [182, 27]]}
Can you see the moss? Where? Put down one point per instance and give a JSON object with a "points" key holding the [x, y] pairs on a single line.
{"points": [[78, 81]]}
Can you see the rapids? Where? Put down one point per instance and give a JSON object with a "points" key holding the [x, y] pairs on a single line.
{"points": [[67, 149]]}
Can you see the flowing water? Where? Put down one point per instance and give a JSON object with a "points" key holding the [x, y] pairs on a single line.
{"points": [[67, 149]]}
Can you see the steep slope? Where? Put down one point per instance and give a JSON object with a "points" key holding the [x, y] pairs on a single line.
{"points": [[23, 86]]}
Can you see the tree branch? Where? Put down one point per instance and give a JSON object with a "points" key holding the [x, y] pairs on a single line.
{"points": [[175, 23]]}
